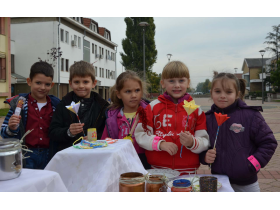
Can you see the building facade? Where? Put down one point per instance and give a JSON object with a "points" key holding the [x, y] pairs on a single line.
{"points": [[252, 73], [5, 61], [78, 39]]}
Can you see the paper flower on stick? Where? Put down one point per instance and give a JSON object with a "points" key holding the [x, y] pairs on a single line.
{"points": [[221, 118], [74, 107], [190, 107]]}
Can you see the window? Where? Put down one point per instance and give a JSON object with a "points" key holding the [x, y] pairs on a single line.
{"points": [[100, 72], [3, 68], [95, 49], [75, 39], [62, 64], [99, 50], [67, 37], [103, 72], [62, 35], [92, 48], [96, 71], [94, 28], [78, 19], [79, 42], [111, 56], [2, 25], [12, 63], [106, 53], [102, 51], [67, 64], [106, 73]]}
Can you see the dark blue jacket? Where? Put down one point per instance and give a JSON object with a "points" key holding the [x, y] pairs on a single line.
{"points": [[234, 146]]}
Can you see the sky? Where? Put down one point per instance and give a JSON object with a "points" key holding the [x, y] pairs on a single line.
{"points": [[204, 44]]}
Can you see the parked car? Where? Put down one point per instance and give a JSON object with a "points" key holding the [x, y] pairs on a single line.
{"points": [[197, 93]]}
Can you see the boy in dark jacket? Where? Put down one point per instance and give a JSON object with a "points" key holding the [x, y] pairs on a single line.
{"points": [[65, 127], [36, 113]]}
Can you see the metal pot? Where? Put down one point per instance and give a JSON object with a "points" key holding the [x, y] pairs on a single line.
{"points": [[10, 158]]}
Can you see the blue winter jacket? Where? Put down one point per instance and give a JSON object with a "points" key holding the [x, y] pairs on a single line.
{"points": [[244, 134]]}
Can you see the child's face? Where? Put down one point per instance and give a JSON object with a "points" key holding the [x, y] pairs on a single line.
{"points": [[223, 97], [82, 86], [131, 95], [40, 86], [175, 87]]}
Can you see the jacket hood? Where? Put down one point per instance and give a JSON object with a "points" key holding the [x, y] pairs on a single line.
{"points": [[237, 104]]}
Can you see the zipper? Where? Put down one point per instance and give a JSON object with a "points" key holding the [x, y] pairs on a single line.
{"points": [[173, 158]]}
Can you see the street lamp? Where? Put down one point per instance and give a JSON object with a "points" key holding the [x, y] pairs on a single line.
{"points": [[262, 53], [144, 24], [169, 56]]}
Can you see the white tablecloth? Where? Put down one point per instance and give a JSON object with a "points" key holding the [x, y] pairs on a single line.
{"points": [[223, 179], [34, 181], [96, 170]]}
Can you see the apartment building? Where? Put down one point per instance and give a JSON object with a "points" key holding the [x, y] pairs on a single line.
{"points": [[5, 61], [78, 39]]}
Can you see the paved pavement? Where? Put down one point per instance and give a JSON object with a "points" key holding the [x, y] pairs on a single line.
{"points": [[269, 177]]}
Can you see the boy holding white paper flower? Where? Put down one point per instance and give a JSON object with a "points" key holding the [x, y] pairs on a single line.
{"points": [[65, 127], [33, 111], [169, 125]]}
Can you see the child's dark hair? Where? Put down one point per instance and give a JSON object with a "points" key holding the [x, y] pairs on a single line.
{"points": [[175, 69], [239, 84], [41, 67], [82, 69], [122, 78]]}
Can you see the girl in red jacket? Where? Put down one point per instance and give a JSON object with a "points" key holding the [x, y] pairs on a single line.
{"points": [[162, 133]]}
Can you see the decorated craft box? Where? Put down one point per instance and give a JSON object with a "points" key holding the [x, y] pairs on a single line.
{"points": [[92, 134]]}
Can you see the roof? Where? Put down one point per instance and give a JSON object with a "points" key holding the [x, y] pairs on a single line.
{"points": [[18, 77], [238, 75], [255, 62]]}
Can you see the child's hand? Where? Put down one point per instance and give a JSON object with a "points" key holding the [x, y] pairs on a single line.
{"points": [[13, 122], [169, 147], [186, 139], [85, 138], [210, 156], [76, 128]]}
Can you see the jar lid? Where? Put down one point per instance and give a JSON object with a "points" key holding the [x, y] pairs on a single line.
{"points": [[9, 143], [181, 183]]}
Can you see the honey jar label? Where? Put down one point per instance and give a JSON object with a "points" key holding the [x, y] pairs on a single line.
{"points": [[92, 134]]}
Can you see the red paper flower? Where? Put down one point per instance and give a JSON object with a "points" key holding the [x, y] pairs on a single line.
{"points": [[221, 118]]}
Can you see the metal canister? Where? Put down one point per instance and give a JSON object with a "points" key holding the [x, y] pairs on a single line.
{"points": [[10, 158], [156, 183], [132, 182]]}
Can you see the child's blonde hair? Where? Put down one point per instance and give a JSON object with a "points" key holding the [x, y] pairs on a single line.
{"points": [[82, 69], [122, 78], [175, 69], [239, 84]]}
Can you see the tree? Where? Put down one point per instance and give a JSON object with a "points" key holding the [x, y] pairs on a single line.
{"points": [[132, 58], [273, 41], [199, 87], [275, 77], [154, 82], [205, 87]]}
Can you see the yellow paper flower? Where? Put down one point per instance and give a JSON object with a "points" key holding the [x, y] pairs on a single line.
{"points": [[190, 107], [74, 107], [129, 137]]}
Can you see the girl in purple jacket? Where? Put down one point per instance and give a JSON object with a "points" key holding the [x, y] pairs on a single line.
{"points": [[245, 142], [126, 96]]}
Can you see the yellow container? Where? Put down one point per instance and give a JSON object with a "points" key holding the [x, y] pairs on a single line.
{"points": [[92, 134]]}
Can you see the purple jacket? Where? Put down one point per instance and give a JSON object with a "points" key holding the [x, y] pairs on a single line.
{"points": [[115, 118], [244, 134]]}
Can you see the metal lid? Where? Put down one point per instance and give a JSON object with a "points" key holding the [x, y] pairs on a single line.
{"points": [[9, 143]]}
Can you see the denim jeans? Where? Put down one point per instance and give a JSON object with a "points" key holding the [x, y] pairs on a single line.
{"points": [[38, 158]]}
